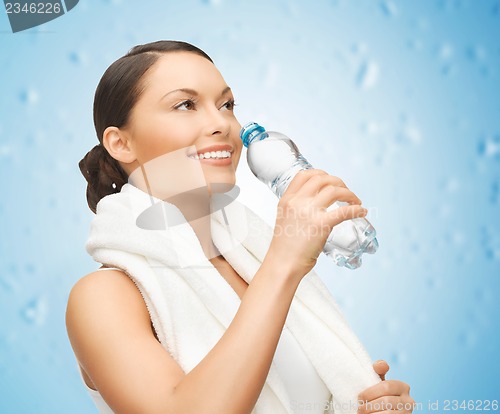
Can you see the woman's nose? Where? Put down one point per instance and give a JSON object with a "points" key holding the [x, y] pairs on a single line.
{"points": [[217, 123]]}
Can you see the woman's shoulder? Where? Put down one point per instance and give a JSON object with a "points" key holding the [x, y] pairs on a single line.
{"points": [[99, 281], [106, 294]]}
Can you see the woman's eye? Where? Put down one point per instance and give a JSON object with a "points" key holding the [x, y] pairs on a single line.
{"points": [[186, 105], [229, 105]]}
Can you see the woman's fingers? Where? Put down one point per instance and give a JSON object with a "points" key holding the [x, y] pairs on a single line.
{"points": [[303, 222], [302, 177], [386, 403], [346, 213], [386, 397], [384, 388], [401, 404], [318, 182], [329, 194], [381, 367]]}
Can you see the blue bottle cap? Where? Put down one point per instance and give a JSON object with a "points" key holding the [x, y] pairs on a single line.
{"points": [[250, 131]]}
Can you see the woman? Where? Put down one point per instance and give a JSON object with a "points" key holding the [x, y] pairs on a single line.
{"points": [[166, 126]]}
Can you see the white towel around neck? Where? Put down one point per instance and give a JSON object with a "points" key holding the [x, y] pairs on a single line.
{"points": [[191, 305]]}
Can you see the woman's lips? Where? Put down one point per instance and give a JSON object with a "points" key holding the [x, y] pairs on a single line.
{"points": [[216, 161]]}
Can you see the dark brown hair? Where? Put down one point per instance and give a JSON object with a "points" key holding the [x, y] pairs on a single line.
{"points": [[118, 91]]}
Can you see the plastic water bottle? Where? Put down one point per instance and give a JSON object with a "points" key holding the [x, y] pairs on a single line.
{"points": [[275, 160]]}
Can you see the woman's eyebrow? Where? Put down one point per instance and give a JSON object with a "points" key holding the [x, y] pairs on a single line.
{"points": [[192, 92], [225, 90]]}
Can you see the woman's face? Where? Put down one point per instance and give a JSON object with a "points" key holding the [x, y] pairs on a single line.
{"points": [[183, 126]]}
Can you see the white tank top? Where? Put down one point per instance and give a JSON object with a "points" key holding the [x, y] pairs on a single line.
{"points": [[308, 393]]}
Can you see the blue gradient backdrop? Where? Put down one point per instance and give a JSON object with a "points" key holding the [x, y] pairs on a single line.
{"points": [[399, 98]]}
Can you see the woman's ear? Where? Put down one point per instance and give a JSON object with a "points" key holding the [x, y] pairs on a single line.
{"points": [[117, 143]]}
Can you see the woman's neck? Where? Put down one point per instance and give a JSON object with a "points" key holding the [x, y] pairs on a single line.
{"points": [[196, 209], [202, 228]]}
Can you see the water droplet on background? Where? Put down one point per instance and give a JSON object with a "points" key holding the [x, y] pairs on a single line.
{"points": [[389, 8], [415, 44], [433, 282], [448, 69], [485, 70], [483, 295], [456, 238], [8, 283], [55, 356], [8, 342], [35, 311], [422, 24], [467, 339], [359, 48], [214, 3], [397, 358], [450, 185], [495, 10], [449, 5], [490, 243], [52, 203], [29, 267], [409, 134], [414, 247], [489, 147], [292, 9], [5, 151], [445, 51], [370, 127], [78, 57], [29, 96], [494, 192], [368, 75], [476, 53]]}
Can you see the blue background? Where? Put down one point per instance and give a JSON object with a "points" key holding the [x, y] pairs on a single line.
{"points": [[401, 99]]}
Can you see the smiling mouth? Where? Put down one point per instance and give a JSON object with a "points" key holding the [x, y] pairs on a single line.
{"points": [[216, 155]]}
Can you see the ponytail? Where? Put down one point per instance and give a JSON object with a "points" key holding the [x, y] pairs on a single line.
{"points": [[103, 173]]}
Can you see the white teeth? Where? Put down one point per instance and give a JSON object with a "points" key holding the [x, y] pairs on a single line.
{"points": [[211, 154]]}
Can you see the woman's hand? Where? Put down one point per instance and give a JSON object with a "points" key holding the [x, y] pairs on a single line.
{"points": [[386, 396], [303, 224]]}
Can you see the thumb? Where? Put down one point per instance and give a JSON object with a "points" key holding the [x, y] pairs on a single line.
{"points": [[381, 367]]}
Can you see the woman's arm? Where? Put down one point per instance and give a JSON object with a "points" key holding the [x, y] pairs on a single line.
{"points": [[132, 371], [109, 329], [230, 378]]}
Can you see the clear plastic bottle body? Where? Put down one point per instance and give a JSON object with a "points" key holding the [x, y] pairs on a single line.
{"points": [[275, 160]]}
